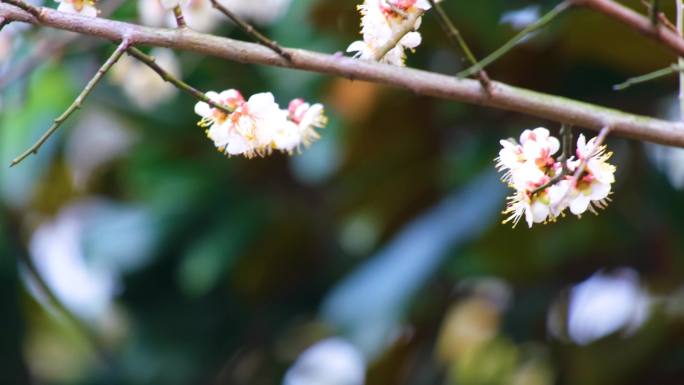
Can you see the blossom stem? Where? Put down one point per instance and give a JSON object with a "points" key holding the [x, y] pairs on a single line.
{"points": [[168, 77], [407, 26], [76, 104], [180, 19], [674, 68], [457, 39], [251, 31], [566, 150], [509, 45]]}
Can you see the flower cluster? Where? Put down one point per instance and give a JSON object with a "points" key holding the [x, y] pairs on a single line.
{"points": [[381, 21], [530, 167], [258, 126], [81, 7]]}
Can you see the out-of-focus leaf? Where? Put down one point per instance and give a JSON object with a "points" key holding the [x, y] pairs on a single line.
{"points": [[368, 304]]}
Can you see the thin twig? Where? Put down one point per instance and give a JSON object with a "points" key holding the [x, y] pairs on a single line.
{"points": [[76, 104], [674, 68], [509, 45], [33, 10], [251, 31], [408, 25], [502, 96], [4, 22], [180, 19], [566, 150], [167, 76], [457, 39], [653, 12], [662, 17]]}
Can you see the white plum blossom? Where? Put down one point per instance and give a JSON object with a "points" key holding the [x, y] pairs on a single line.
{"points": [[542, 190], [258, 126], [81, 7], [594, 186], [382, 20]]}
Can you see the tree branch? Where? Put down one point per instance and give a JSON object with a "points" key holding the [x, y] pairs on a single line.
{"points": [[634, 20], [76, 104], [501, 96]]}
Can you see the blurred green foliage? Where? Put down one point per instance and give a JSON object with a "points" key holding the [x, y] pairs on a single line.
{"points": [[232, 261]]}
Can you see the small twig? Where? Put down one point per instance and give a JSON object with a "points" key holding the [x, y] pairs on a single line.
{"points": [[540, 23], [457, 39], [181, 85], [251, 31], [566, 150], [32, 9], [653, 12], [180, 19], [662, 17], [4, 22], [407, 26], [674, 68], [76, 104]]}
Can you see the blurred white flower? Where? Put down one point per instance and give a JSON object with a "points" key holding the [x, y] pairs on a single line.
{"points": [[142, 85], [81, 7], [521, 18], [199, 14], [604, 304], [88, 149], [82, 252], [332, 361], [262, 12], [670, 160], [57, 252]]}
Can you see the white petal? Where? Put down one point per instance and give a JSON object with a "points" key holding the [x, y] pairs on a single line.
{"points": [[579, 204], [411, 40], [599, 191]]}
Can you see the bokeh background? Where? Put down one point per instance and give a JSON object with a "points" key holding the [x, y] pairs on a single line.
{"points": [[376, 256]]}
